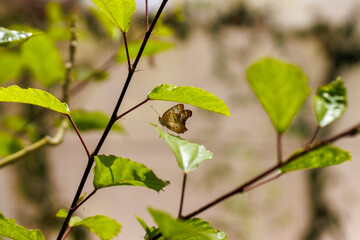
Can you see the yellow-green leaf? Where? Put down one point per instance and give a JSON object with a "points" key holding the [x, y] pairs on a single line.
{"points": [[10, 38], [118, 11], [32, 96], [116, 171], [189, 155], [281, 88], [325, 156], [190, 95], [330, 102], [10, 229]]}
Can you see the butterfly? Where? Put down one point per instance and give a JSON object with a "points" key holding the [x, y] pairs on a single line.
{"points": [[175, 118]]}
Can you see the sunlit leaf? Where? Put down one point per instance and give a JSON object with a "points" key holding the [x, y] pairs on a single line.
{"points": [[322, 157], [62, 213], [116, 171], [281, 88], [104, 227], [43, 59], [189, 155], [10, 66], [330, 102], [174, 229], [10, 229], [10, 38], [111, 30], [32, 96], [152, 47], [151, 232], [118, 11], [88, 121], [194, 96]]}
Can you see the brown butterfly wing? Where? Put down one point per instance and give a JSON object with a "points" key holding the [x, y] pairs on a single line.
{"points": [[174, 118]]}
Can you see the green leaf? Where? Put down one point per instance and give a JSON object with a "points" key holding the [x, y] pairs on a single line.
{"points": [[9, 144], [322, 157], [152, 47], [33, 96], [87, 121], [189, 155], [10, 38], [106, 228], [108, 26], [281, 88], [62, 213], [330, 102], [10, 66], [43, 59], [195, 229], [190, 95], [10, 229], [118, 11], [116, 171]]}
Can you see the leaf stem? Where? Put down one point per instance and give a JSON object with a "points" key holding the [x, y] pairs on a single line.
{"points": [[127, 51], [132, 109], [84, 200], [79, 135], [245, 186], [111, 121], [182, 195], [66, 233], [310, 141], [279, 147], [251, 187]]}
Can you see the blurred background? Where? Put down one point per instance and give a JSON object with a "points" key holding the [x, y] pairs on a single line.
{"points": [[210, 45]]}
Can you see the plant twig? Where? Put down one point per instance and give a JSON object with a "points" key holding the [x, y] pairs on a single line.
{"points": [[84, 200], [132, 109], [66, 233], [182, 195], [347, 133], [251, 187], [310, 141], [111, 121], [127, 51], [79, 135], [57, 139]]}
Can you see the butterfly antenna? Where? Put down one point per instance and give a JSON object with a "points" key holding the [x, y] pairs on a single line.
{"points": [[155, 111]]}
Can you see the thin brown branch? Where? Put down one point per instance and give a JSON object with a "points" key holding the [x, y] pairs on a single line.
{"points": [[240, 189], [127, 51], [182, 195], [251, 187], [311, 140], [66, 233], [132, 109], [79, 135], [111, 121], [84, 200]]}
